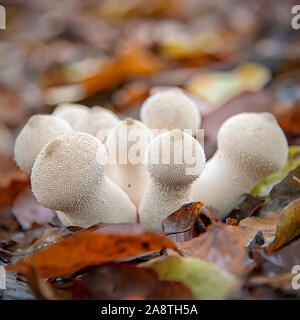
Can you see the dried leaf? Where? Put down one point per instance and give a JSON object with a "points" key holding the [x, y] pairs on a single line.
{"points": [[12, 180], [92, 247], [222, 244], [183, 222], [288, 226], [267, 225], [126, 282], [247, 208], [205, 279], [28, 211]]}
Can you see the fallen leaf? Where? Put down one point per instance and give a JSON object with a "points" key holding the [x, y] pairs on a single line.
{"points": [[127, 282], [28, 211], [267, 225], [247, 208], [92, 247], [222, 244], [185, 223], [206, 280], [283, 193], [12, 180], [278, 262], [264, 187], [288, 226]]}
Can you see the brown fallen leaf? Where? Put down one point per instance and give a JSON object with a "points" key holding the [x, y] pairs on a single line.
{"points": [[187, 222], [267, 225], [247, 208], [28, 211], [12, 180], [222, 244], [127, 282], [92, 247], [288, 226]]}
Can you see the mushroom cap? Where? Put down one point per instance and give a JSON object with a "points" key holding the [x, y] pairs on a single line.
{"points": [[38, 131], [254, 142], [98, 118], [170, 109], [71, 112], [170, 156], [125, 135], [68, 170]]}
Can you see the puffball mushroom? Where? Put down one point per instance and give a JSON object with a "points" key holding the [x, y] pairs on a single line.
{"points": [[71, 112], [250, 146], [174, 161], [170, 109], [68, 177], [38, 131], [126, 145], [98, 118]]}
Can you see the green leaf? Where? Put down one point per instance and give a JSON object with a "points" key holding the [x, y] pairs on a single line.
{"points": [[264, 187], [205, 280]]}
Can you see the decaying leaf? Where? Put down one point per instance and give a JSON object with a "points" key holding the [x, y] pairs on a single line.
{"points": [[283, 193], [247, 208], [267, 225], [288, 226], [264, 187], [12, 180], [92, 247], [205, 279], [187, 222], [279, 262], [28, 211], [126, 282], [222, 244]]}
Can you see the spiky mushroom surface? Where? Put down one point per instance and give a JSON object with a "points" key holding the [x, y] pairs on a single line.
{"points": [[250, 146], [170, 109], [38, 131], [68, 176], [174, 161]]}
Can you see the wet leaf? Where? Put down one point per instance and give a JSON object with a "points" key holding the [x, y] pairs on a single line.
{"points": [[205, 279], [28, 211], [92, 247], [264, 187], [288, 226], [283, 193], [222, 244]]}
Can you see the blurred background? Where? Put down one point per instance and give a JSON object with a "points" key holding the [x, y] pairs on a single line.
{"points": [[230, 56]]}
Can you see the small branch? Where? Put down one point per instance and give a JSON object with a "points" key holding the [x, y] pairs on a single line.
{"points": [[296, 179]]}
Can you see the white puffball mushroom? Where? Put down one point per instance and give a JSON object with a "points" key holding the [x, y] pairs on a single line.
{"points": [[126, 145], [170, 109], [71, 112], [250, 146], [68, 177], [38, 131], [174, 161], [98, 118]]}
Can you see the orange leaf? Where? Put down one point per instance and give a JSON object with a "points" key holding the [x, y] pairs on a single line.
{"points": [[90, 247]]}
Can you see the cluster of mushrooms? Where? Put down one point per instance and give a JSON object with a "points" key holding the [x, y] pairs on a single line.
{"points": [[67, 156]]}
